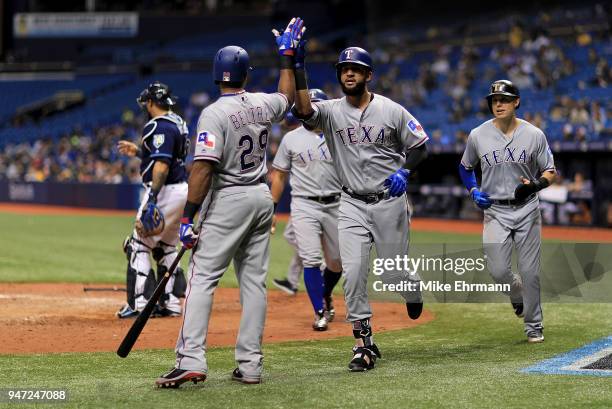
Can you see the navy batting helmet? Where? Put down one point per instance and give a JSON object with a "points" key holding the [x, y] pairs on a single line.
{"points": [[354, 55], [317, 94], [157, 92], [231, 64], [503, 87]]}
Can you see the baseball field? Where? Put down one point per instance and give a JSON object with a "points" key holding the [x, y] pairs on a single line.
{"points": [[53, 335]]}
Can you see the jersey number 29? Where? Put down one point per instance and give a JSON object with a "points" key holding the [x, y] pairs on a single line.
{"points": [[247, 145]]}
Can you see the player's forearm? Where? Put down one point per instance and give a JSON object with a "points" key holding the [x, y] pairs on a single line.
{"points": [[549, 175], [468, 177], [278, 184], [159, 175], [303, 106], [414, 157], [286, 81], [199, 183]]}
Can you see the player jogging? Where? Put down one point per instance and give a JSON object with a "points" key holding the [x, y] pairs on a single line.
{"points": [[315, 196], [230, 160], [164, 147], [374, 143], [516, 163]]}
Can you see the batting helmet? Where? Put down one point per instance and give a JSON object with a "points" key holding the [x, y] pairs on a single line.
{"points": [[317, 94], [231, 64], [157, 92], [503, 87], [353, 55]]}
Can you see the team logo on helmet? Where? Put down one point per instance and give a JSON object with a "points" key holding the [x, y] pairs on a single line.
{"points": [[226, 76], [349, 54]]}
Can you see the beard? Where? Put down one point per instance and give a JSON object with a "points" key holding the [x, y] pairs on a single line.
{"points": [[358, 89]]}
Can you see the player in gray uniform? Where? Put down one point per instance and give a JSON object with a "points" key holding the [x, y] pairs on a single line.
{"points": [[315, 196], [516, 163], [230, 159], [375, 143]]}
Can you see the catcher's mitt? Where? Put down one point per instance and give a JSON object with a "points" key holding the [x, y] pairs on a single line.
{"points": [[151, 222]]}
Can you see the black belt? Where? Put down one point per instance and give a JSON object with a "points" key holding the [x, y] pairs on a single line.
{"points": [[324, 199], [369, 198], [512, 202]]}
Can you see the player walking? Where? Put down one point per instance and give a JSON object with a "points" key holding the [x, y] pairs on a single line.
{"points": [[315, 197], [512, 155], [374, 143], [164, 147], [230, 159]]}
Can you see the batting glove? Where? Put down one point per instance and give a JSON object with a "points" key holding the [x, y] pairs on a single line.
{"points": [[288, 41], [187, 235], [397, 182], [481, 199]]}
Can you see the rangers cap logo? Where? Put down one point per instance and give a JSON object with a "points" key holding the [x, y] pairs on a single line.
{"points": [[226, 76]]}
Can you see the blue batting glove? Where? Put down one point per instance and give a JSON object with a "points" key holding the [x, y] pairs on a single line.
{"points": [[481, 199], [187, 235], [288, 41], [300, 55], [397, 182]]}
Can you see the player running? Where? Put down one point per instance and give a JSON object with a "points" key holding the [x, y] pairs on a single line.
{"points": [[315, 196], [374, 143], [230, 160], [516, 163]]}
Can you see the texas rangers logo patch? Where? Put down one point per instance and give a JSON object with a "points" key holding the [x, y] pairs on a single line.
{"points": [[158, 140], [226, 76], [206, 139]]}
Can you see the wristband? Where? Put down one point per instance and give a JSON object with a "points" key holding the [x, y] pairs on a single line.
{"points": [[275, 205], [286, 62], [541, 183], [301, 82], [190, 210]]}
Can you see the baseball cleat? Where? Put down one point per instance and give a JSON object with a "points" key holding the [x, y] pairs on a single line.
{"points": [[176, 377], [414, 309], [535, 337], [160, 312], [329, 308], [518, 309], [363, 360], [127, 312], [239, 377], [285, 285], [321, 321]]}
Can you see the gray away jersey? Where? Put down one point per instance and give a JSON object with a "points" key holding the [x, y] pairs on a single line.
{"points": [[367, 146], [503, 161], [305, 154], [233, 132]]}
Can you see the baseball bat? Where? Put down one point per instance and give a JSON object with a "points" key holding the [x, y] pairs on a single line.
{"points": [[114, 288], [130, 339]]}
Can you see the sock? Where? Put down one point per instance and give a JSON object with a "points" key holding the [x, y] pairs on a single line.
{"points": [[314, 285], [331, 278]]}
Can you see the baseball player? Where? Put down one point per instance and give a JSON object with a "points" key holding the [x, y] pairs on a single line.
{"points": [[230, 159], [374, 143], [164, 147], [516, 163], [315, 196]]}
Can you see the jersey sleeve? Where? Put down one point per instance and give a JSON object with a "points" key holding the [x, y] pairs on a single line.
{"points": [[470, 158], [210, 140], [544, 157], [316, 120], [410, 132], [282, 159], [278, 105], [160, 137]]}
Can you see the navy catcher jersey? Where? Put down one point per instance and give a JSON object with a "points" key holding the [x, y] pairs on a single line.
{"points": [[165, 138]]}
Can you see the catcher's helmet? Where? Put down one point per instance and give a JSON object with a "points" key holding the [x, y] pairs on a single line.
{"points": [[231, 64], [317, 94], [503, 87], [157, 92], [353, 55]]}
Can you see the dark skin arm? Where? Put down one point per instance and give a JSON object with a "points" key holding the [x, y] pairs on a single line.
{"points": [[200, 180], [415, 156], [279, 179], [286, 84], [303, 105]]}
